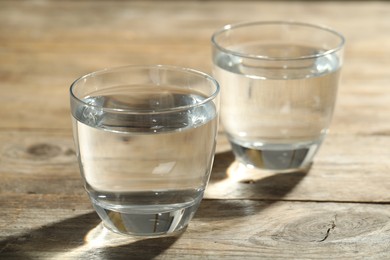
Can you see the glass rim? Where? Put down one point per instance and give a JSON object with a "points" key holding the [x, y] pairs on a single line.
{"points": [[194, 72], [232, 26]]}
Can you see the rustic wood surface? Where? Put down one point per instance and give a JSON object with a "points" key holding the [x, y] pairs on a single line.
{"points": [[340, 209]]}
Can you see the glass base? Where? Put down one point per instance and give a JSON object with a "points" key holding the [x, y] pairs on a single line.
{"points": [[151, 224], [281, 158]]}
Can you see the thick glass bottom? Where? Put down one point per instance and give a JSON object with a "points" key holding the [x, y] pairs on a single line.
{"points": [[281, 158], [152, 221]]}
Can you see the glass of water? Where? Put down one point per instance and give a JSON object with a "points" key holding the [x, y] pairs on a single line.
{"points": [[145, 138], [278, 90]]}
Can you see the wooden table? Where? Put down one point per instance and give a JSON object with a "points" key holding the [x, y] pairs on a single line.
{"points": [[340, 209]]}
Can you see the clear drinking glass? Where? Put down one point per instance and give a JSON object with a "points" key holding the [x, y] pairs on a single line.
{"points": [[145, 138], [278, 90]]}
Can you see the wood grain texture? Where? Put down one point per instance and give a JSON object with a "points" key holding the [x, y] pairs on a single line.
{"points": [[337, 210], [232, 229], [342, 170], [47, 45], [347, 168]]}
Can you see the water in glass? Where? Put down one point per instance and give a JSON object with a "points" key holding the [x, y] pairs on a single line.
{"points": [[145, 172], [276, 116]]}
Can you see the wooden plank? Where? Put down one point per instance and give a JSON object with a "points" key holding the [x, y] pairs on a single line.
{"points": [[347, 168], [40, 59], [230, 229]]}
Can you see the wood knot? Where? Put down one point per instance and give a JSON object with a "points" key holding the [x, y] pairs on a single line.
{"points": [[44, 150], [249, 181], [325, 227]]}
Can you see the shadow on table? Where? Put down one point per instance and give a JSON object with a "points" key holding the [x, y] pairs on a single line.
{"points": [[239, 193], [68, 240], [71, 238]]}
